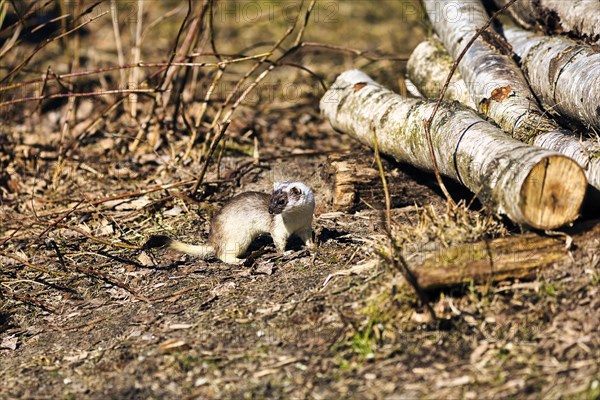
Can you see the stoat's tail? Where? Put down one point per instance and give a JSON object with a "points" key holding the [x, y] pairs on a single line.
{"points": [[202, 250]]}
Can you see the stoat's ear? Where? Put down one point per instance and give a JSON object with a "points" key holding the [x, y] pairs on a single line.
{"points": [[295, 190]]}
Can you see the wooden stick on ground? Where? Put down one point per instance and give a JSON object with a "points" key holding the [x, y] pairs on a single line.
{"points": [[513, 257], [533, 186], [355, 184]]}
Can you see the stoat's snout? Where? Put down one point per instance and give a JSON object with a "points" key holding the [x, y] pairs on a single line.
{"points": [[279, 200], [291, 197]]}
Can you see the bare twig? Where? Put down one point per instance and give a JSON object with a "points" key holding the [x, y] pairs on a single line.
{"points": [[395, 256], [388, 202], [83, 94], [134, 74], [162, 65], [306, 19], [60, 219], [99, 275], [45, 43], [28, 264], [360, 53], [32, 10], [114, 10], [202, 111], [97, 239], [30, 300], [212, 149]]}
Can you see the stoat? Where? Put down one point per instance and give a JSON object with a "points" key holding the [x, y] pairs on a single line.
{"points": [[287, 211]]}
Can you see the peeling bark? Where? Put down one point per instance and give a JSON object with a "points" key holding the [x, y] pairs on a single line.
{"points": [[581, 17], [533, 186], [356, 183], [431, 56], [563, 74]]}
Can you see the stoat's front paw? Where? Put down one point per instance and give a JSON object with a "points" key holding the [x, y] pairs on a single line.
{"points": [[310, 245], [232, 259]]}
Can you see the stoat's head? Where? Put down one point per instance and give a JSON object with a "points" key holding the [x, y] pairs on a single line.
{"points": [[291, 197]]}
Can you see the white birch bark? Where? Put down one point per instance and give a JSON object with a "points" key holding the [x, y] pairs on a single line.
{"points": [[431, 56], [427, 69], [487, 70], [563, 74], [533, 186], [580, 17]]}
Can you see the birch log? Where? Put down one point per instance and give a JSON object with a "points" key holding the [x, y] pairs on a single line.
{"points": [[562, 73], [533, 186], [581, 17], [428, 68], [430, 64], [495, 82]]}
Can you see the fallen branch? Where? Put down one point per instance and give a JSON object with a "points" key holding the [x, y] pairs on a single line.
{"points": [[533, 186], [427, 68], [30, 300], [513, 257], [355, 183]]}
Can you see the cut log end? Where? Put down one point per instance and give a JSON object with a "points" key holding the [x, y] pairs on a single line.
{"points": [[553, 192]]}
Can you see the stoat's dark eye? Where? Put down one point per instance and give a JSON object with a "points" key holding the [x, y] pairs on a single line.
{"points": [[281, 202]]}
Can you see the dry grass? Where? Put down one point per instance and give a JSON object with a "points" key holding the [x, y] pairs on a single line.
{"points": [[84, 313]]}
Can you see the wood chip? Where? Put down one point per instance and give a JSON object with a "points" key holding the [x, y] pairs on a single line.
{"points": [[172, 344]]}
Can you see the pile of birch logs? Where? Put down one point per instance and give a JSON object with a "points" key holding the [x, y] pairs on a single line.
{"points": [[498, 131]]}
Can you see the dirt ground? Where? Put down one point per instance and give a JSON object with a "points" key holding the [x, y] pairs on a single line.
{"points": [[84, 313]]}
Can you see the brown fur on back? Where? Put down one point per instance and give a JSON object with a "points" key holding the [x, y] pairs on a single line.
{"points": [[235, 214]]}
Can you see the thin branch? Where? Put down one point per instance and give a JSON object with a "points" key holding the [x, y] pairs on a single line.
{"points": [[46, 42], [209, 155], [28, 264], [305, 23], [96, 274], [140, 65], [30, 300], [97, 239], [80, 94], [395, 257]]}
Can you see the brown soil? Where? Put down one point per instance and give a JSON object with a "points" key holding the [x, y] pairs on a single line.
{"points": [[84, 316]]}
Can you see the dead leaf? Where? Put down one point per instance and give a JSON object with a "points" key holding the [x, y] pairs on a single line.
{"points": [[172, 344], [265, 268], [223, 289], [9, 342], [173, 212], [134, 204], [106, 229], [145, 259]]}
